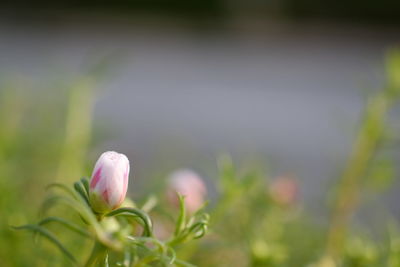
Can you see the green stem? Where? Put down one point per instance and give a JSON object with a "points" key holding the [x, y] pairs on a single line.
{"points": [[369, 136], [98, 255]]}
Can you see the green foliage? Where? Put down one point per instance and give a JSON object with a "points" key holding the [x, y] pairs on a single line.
{"points": [[114, 233], [251, 222]]}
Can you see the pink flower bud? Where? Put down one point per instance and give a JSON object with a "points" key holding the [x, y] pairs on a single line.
{"points": [[285, 190], [190, 185], [109, 182]]}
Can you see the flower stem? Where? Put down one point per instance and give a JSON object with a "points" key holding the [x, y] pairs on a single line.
{"points": [[369, 136], [98, 255]]}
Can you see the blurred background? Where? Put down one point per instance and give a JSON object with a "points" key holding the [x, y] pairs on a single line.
{"points": [[279, 85]]}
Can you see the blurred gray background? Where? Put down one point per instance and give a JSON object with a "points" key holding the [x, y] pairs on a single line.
{"points": [[285, 94]]}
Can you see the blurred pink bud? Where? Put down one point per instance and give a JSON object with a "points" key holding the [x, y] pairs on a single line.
{"points": [[284, 190], [190, 185], [109, 182], [162, 228]]}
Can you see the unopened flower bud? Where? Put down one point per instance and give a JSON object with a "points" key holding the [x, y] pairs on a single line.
{"points": [[190, 185], [285, 190], [109, 182]]}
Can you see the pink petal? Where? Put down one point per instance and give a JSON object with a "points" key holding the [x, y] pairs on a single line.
{"points": [[105, 195], [96, 178]]}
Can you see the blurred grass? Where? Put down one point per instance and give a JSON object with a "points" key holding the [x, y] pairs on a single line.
{"points": [[43, 139], [250, 229], [371, 134]]}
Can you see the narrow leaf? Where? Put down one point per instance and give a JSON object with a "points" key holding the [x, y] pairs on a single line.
{"points": [[61, 186], [148, 225], [182, 263], [85, 183], [81, 191], [47, 204], [106, 261], [173, 255], [67, 224], [52, 238], [181, 221], [150, 203]]}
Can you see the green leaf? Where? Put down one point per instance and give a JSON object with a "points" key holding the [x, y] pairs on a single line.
{"points": [[85, 183], [181, 221], [141, 241], [150, 203], [173, 255], [97, 256], [199, 229], [67, 224], [127, 258], [52, 238], [182, 263], [148, 225], [47, 204], [106, 261], [61, 186], [81, 191], [86, 213], [393, 69]]}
